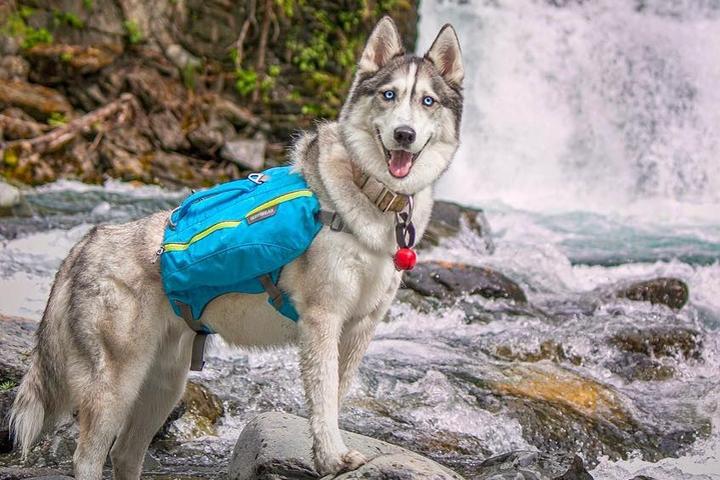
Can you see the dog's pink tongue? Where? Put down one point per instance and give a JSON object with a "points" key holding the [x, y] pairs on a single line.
{"points": [[400, 163]]}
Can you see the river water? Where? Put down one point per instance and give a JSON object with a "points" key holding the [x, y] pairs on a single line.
{"points": [[591, 138]]}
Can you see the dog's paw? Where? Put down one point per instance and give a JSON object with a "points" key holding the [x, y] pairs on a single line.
{"points": [[344, 462]]}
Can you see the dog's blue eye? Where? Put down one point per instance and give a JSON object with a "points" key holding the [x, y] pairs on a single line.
{"points": [[428, 101], [389, 94]]}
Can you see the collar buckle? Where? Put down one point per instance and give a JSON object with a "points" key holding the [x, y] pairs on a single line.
{"points": [[381, 198]]}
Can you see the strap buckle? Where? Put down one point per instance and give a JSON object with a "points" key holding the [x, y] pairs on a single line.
{"points": [[382, 195], [336, 223]]}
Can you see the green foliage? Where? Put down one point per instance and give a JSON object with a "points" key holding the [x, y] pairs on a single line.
{"points": [[36, 36], [16, 25], [57, 119], [133, 32], [68, 18], [7, 384], [89, 5], [287, 6], [245, 81], [189, 75]]}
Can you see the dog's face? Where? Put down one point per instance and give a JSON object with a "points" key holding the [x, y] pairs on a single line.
{"points": [[402, 118]]}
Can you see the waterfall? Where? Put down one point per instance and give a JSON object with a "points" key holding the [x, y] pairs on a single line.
{"points": [[610, 106]]}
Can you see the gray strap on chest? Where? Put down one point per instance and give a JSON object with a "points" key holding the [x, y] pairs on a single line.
{"points": [[333, 220], [197, 362]]}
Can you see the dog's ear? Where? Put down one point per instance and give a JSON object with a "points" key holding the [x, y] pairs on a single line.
{"points": [[383, 45], [445, 54]]}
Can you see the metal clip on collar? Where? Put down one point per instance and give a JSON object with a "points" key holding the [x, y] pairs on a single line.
{"points": [[404, 228]]}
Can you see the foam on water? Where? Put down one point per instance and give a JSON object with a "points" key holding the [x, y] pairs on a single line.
{"points": [[605, 106], [602, 119]]}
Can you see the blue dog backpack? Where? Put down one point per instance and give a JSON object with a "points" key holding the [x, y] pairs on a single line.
{"points": [[236, 237]]}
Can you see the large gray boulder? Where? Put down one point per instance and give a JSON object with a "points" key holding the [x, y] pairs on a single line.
{"points": [[277, 446]]}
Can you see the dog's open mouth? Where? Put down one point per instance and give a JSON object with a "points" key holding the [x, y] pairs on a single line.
{"points": [[400, 162]]}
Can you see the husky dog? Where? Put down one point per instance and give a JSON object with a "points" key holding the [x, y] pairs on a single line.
{"points": [[110, 348]]}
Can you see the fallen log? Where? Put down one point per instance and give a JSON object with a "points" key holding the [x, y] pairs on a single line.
{"points": [[122, 109], [20, 128]]}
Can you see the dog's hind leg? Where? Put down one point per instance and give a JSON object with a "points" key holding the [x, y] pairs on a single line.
{"points": [[106, 402], [160, 392]]}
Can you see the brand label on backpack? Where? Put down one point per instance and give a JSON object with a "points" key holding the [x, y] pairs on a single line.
{"points": [[262, 215]]}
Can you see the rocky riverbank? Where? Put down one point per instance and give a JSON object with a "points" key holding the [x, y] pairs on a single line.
{"points": [[541, 386]]}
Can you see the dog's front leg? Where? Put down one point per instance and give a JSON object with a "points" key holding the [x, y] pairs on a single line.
{"points": [[319, 336]]}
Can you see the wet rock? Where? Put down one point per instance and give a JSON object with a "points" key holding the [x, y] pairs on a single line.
{"points": [[660, 342], [16, 342], [447, 219], [277, 446], [562, 411], [206, 139], [247, 153], [38, 101], [155, 91], [639, 367], [665, 291], [168, 131], [529, 465], [124, 154], [7, 396], [9, 196], [547, 350], [196, 415], [52, 477], [55, 62], [13, 473], [446, 280]]}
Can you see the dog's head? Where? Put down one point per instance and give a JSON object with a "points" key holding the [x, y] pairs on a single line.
{"points": [[402, 118]]}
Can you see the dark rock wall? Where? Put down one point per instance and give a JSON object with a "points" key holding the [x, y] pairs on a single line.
{"points": [[204, 72]]}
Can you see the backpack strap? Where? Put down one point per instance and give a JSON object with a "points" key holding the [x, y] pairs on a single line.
{"points": [[276, 296], [332, 220], [197, 362]]}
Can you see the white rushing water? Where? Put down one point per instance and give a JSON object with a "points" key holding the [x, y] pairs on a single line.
{"points": [[591, 128], [609, 106]]}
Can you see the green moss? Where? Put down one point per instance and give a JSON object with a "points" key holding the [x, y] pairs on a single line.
{"points": [[36, 36], [68, 18], [16, 25], [189, 75], [89, 5], [57, 119], [132, 32]]}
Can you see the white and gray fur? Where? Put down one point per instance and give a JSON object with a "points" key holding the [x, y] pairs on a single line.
{"points": [[110, 348]]}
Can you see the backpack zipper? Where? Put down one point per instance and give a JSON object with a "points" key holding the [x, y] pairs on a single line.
{"points": [[179, 246]]}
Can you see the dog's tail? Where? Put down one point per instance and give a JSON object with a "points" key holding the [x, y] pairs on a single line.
{"points": [[27, 417], [41, 397]]}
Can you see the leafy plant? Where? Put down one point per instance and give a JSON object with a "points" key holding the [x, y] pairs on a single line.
{"points": [[36, 36], [7, 385], [245, 81], [57, 119], [133, 32], [16, 25], [68, 18]]}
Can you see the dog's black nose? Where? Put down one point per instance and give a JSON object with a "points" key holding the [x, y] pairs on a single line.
{"points": [[404, 135]]}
